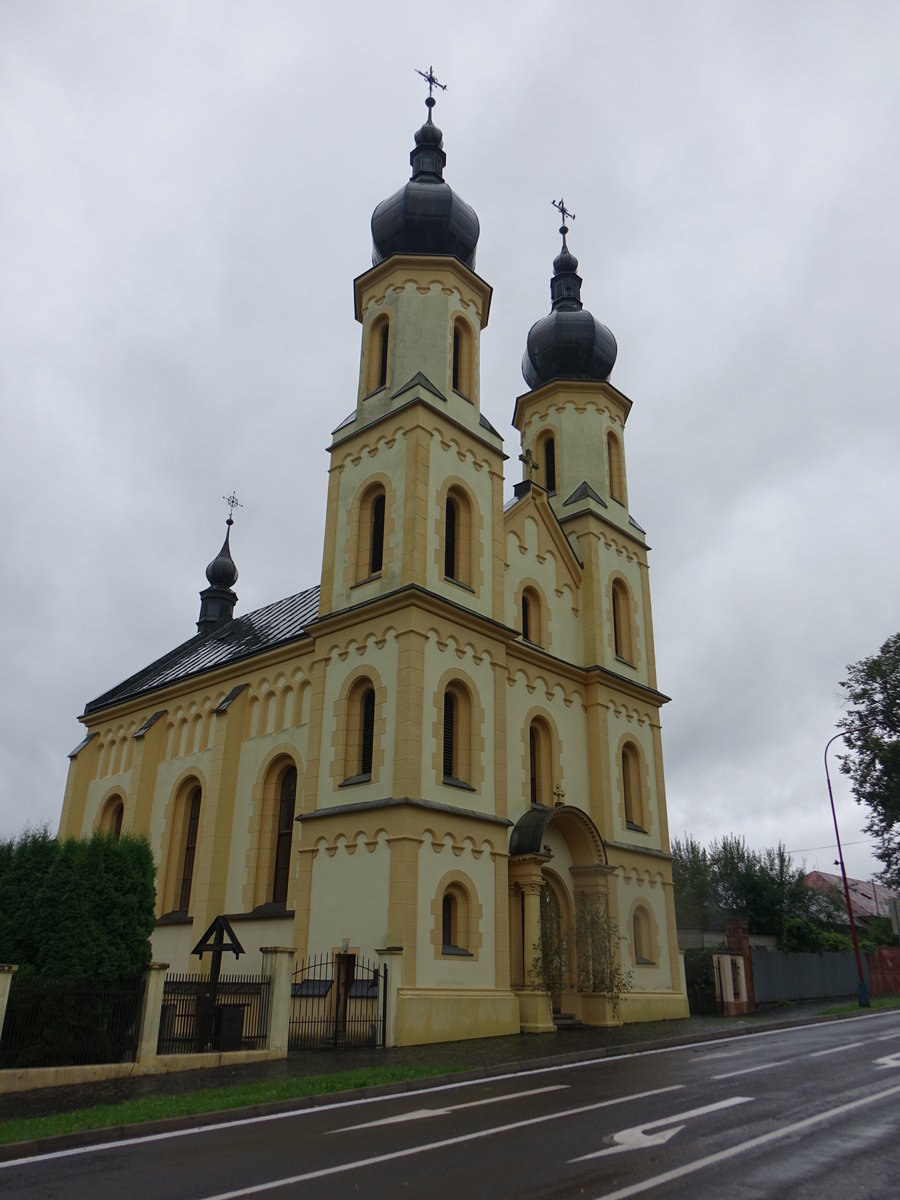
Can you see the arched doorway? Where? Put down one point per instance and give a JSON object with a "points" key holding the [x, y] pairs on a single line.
{"points": [[561, 909]]}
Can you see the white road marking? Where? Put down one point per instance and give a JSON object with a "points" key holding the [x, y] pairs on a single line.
{"points": [[887, 1037], [636, 1189], [294, 1113], [637, 1137], [890, 1060], [835, 1049], [421, 1114], [713, 1057], [749, 1070], [340, 1168]]}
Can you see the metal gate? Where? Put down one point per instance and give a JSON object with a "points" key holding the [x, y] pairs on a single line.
{"points": [[338, 1000]]}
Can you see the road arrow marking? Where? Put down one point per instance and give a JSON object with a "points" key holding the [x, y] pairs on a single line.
{"points": [[421, 1114], [638, 1138], [890, 1060]]}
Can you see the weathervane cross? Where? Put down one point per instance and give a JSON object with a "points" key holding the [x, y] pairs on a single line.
{"points": [[431, 79], [233, 503], [560, 206]]}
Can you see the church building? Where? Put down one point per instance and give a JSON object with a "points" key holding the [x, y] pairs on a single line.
{"points": [[446, 754]]}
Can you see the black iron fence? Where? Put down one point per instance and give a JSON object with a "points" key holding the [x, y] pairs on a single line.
{"points": [[62, 1023], [198, 1016], [338, 1000]]}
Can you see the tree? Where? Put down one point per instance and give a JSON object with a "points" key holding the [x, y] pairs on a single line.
{"points": [[764, 886], [694, 880], [871, 729]]}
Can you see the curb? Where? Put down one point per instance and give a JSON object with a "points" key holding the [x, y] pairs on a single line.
{"points": [[115, 1133]]}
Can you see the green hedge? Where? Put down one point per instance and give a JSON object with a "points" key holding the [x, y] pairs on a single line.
{"points": [[76, 909]]}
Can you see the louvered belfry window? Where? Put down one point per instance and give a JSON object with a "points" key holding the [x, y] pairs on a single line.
{"points": [[376, 553], [450, 539], [449, 736], [367, 731], [550, 464]]}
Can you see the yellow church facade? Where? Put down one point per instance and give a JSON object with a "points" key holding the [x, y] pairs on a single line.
{"points": [[448, 752]]}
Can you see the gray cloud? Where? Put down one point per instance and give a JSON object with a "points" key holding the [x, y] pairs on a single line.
{"points": [[184, 201]]}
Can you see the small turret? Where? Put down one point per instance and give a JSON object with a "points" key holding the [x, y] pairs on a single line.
{"points": [[218, 600]]}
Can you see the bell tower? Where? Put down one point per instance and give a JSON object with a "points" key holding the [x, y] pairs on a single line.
{"points": [[572, 425], [415, 480]]}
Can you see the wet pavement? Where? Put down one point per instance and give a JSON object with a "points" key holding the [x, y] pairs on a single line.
{"points": [[478, 1056]]}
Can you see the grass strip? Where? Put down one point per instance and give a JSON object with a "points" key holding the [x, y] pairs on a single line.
{"points": [[853, 1006], [158, 1107]]}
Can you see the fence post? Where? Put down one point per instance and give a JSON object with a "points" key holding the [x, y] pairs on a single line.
{"points": [[7, 970], [391, 957], [278, 964], [151, 1006]]}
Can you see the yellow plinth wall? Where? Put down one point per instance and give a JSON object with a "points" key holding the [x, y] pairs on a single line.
{"points": [[535, 1012], [653, 1006], [431, 1015]]}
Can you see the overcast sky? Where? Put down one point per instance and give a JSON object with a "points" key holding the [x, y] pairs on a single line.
{"points": [[185, 195]]}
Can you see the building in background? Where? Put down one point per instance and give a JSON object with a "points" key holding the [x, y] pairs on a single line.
{"points": [[447, 753], [868, 899]]}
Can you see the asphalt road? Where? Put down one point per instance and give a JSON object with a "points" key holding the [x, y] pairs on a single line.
{"points": [[810, 1112]]}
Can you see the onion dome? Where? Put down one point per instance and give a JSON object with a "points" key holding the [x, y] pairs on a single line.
{"points": [[222, 572], [425, 216], [569, 343], [218, 600]]}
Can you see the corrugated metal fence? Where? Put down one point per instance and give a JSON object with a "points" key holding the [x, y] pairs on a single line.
{"points": [[779, 976]]}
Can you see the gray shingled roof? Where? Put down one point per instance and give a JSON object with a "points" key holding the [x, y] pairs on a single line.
{"points": [[284, 621]]}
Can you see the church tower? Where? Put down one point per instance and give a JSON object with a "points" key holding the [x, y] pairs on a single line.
{"points": [[407, 725]]}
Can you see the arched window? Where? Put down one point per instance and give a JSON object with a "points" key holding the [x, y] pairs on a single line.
{"points": [[360, 744], [540, 774], [615, 468], [111, 817], [377, 359], [449, 920], [458, 536], [283, 835], [640, 930], [370, 536], [451, 538], [532, 616], [631, 788], [376, 552], [190, 849], [462, 372], [621, 617], [548, 449], [451, 726], [456, 917], [457, 735], [367, 731]]}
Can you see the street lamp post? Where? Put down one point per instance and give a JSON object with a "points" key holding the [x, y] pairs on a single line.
{"points": [[863, 990]]}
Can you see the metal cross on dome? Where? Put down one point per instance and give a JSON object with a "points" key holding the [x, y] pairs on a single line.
{"points": [[431, 79], [233, 503], [560, 206]]}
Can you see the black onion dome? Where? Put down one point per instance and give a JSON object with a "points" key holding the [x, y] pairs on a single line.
{"points": [[425, 216], [569, 343], [222, 572]]}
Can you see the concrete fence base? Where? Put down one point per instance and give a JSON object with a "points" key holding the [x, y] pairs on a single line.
{"points": [[277, 964]]}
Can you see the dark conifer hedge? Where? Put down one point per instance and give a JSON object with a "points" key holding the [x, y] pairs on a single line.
{"points": [[77, 909]]}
